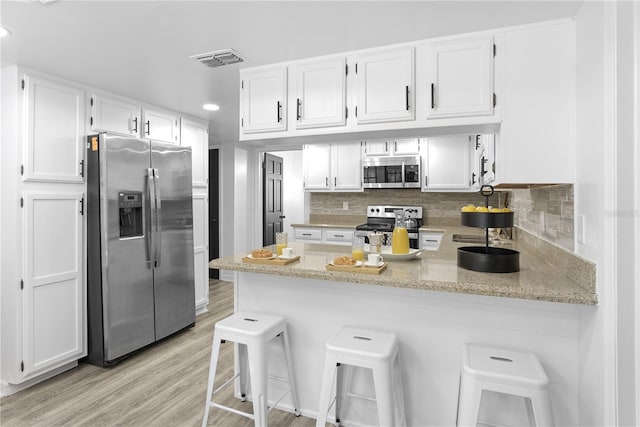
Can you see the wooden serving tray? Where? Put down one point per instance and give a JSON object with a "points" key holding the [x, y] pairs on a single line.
{"points": [[274, 261], [362, 269]]}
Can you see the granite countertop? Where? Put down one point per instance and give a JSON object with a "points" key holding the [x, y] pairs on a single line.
{"points": [[547, 273]]}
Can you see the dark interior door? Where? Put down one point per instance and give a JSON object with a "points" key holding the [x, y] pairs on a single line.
{"points": [[214, 210], [272, 197]]}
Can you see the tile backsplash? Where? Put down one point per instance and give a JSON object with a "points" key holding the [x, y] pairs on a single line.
{"points": [[546, 212]]}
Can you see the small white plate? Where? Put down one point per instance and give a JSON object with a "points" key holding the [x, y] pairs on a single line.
{"points": [[368, 264], [252, 257], [357, 264]]}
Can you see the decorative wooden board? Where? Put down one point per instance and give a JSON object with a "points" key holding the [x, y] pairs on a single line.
{"points": [[274, 261], [362, 269]]}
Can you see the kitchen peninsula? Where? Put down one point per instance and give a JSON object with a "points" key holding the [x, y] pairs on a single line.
{"points": [[434, 307]]}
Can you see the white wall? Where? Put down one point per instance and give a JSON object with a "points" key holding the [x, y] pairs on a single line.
{"points": [[292, 189]]}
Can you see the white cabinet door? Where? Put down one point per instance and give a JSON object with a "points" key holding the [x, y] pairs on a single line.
{"points": [[321, 94], [316, 160], [263, 100], [195, 134], [346, 166], [161, 126], [460, 77], [385, 83], [54, 148], [376, 148], [201, 248], [53, 297], [308, 234], [447, 163], [115, 115], [485, 159], [338, 236], [406, 147]]}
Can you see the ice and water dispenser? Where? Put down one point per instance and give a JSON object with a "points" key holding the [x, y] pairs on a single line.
{"points": [[130, 210]]}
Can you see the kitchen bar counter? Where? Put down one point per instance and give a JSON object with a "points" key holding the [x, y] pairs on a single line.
{"points": [[547, 274]]}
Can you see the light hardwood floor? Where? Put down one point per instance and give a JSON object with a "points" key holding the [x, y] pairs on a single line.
{"points": [[164, 385]]}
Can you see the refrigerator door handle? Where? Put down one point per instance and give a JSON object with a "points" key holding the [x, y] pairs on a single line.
{"points": [[158, 197], [150, 237]]}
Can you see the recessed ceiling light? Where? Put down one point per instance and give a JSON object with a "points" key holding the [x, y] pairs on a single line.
{"points": [[211, 107], [4, 32]]}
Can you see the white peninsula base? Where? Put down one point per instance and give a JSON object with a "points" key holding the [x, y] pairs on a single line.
{"points": [[432, 328]]}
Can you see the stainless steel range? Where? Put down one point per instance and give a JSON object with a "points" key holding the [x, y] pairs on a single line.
{"points": [[383, 219]]}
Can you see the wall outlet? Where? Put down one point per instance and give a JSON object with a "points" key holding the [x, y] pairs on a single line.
{"points": [[345, 206]]}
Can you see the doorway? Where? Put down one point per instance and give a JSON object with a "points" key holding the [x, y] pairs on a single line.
{"points": [[214, 209], [272, 198]]}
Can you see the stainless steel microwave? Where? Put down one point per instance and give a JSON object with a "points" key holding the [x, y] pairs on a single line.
{"points": [[391, 172]]}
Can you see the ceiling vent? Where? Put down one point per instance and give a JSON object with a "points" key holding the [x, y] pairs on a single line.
{"points": [[218, 58]]}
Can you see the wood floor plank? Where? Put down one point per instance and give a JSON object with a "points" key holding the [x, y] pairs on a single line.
{"points": [[163, 385]]}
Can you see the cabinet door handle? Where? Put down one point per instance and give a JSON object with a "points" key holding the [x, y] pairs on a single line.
{"points": [[406, 96], [298, 105], [279, 105], [306, 234], [473, 178], [326, 181], [148, 131], [433, 95], [386, 146], [335, 181], [135, 125], [425, 180]]}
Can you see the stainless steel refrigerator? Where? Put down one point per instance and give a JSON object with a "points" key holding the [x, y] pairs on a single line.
{"points": [[139, 244]]}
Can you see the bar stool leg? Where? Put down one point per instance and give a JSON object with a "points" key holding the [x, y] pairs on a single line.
{"points": [[399, 393], [258, 375], [289, 361], [243, 366], [328, 376], [384, 396], [469, 402], [215, 351]]}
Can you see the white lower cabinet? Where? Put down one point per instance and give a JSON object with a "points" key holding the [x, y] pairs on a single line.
{"points": [[201, 249], [333, 236], [54, 299]]}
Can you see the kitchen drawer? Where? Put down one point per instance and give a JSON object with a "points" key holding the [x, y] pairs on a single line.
{"points": [[313, 234], [338, 236]]}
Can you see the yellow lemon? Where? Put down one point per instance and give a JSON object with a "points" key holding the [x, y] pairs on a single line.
{"points": [[469, 208], [482, 209], [495, 210]]}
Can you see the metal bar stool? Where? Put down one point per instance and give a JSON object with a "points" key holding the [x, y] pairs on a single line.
{"points": [[375, 350], [517, 373], [252, 332]]}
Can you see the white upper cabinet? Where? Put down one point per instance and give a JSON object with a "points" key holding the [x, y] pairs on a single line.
{"points": [[392, 147], [195, 134], [161, 126], [263, 100], [332, 167], [115, 115], [460, 77], [316, 166], [446, 163], [385, 85], [321, 93], [54, 149]]}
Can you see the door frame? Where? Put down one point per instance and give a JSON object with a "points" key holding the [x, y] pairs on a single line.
{"points": [[214, 176]]}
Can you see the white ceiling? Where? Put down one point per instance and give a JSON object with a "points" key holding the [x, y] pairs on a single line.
{"points": [[141, 49]]}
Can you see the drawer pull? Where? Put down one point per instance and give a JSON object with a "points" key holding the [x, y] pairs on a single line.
{"points": [[306, 234]]}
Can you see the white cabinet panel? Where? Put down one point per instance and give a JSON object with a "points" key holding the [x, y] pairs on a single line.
{"points": [[54, 299], [201, 249], [161, 126], [316, 159], [392, 147], [460, 77], [447, 163], [385, 83], [195, 134], [346, 166], [263, 100], [308, 234], [54, 149], [321, 94], [115, 115], [332, 167], [338, 237]]}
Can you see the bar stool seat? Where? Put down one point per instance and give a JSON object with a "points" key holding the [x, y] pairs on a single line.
{"points": [[517, 373], [252, 331], [364, 348]]}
